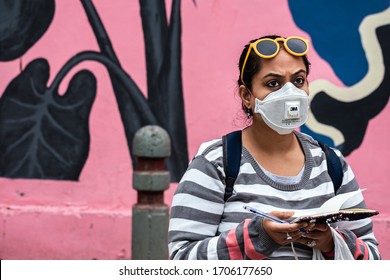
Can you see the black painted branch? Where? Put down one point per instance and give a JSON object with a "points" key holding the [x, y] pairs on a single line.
{"points": [[101, 35], [171, 88], [133, 107], [163, 60], [165, 106], [155, 27], [138, 100]]}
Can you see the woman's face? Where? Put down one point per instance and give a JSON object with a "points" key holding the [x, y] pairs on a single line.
{"points": [[275, 73]]}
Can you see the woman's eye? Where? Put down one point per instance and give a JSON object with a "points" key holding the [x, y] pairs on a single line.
{"points": [[273, 84], [299, 81]]}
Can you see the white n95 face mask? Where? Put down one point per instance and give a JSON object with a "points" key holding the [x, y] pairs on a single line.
{"points": [[285, 109]]}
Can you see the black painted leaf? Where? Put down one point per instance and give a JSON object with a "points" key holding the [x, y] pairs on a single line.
{"points": [[44, 135], [22, 23]]}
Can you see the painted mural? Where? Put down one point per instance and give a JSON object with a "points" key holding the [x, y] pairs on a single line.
{"points": [[78, 78], [358, 51], [44, 135]]}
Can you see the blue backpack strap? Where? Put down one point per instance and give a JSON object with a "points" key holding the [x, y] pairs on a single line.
{"points": [[232, 147], [335, 168]]}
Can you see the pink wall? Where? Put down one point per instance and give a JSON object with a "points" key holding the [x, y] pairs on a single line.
{"points": [[91, 218]]}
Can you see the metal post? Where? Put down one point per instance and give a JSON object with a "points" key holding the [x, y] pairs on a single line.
{"points": [[151, 146]]}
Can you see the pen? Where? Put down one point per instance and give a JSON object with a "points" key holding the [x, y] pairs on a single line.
{"points": [[264, 215]]}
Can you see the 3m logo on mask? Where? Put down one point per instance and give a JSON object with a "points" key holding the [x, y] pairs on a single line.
{"points": [[292, 110]]}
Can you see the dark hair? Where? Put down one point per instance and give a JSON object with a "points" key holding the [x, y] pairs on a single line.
{"points": [[253, 65]]}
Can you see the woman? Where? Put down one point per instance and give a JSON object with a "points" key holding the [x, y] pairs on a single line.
{"points": [[281, 170]]}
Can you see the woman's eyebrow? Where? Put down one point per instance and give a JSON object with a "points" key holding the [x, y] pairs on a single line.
{"points": [[273, 75], [277, 75], [299, 72]]}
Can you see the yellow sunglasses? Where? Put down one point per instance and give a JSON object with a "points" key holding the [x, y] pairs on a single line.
{"points": [[268, 48]]}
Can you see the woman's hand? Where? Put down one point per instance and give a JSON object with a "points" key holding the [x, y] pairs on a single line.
{"points": [[310, 234], [322, 236], [284, 233]]}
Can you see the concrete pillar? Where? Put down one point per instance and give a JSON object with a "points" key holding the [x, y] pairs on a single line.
{"points": [[151, 146]]}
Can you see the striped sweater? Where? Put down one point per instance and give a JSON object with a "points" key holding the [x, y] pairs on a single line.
{"points": [[202, 226]]}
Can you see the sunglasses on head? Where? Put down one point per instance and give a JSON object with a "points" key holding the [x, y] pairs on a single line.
{"points": [[268, 48]]}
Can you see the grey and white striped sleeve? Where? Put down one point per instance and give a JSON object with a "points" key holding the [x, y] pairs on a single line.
{"points": [[196, 212]]}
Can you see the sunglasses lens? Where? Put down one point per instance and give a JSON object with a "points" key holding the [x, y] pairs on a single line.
{"points": [[297, 46], [267, 48]]}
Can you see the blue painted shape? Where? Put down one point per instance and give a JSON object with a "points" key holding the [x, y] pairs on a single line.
{"points": [[333, 26], [320, 137]]}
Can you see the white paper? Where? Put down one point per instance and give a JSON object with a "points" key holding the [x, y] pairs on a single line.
{"points": [[334, 204]]}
